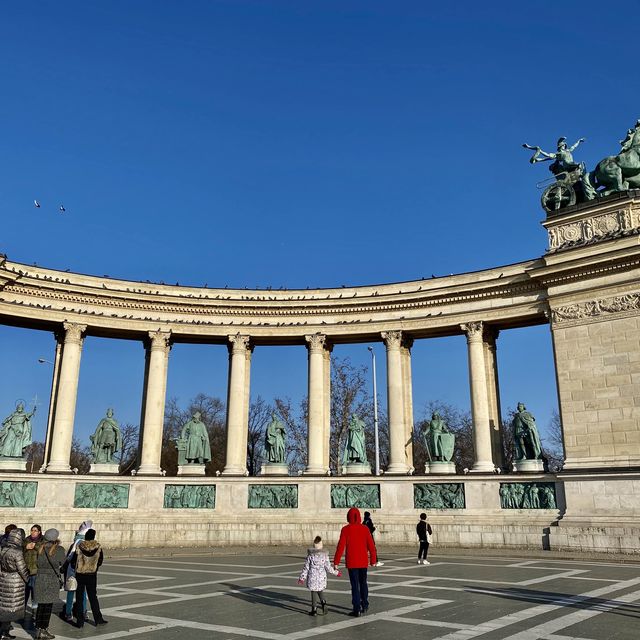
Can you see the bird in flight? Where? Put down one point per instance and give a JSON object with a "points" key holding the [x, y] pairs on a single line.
{"points": [[36, 204], [62, 209]]}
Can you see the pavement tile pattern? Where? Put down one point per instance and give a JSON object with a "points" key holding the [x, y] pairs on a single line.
{"points": [[458, 596]]}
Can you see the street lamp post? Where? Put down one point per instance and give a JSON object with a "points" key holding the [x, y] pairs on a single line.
{"points": [[375, 411]]}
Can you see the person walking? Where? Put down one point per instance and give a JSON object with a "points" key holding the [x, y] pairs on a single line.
{"points": [[13, 577], [48, 581], [368, 522], [31, 544], [424, 531], [356, 540], [69, 570], [315, 570], [88, 559]]}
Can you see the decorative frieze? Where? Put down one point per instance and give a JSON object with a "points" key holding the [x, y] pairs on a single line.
{"points": [[279, 496], [613, 224], [18, 494], [362, 496], [101, 496], [185, 496], [439, 496], [529, 495], [594, 308]]}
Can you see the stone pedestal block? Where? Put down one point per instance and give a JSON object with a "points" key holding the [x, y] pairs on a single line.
{"points": [[529, 466], [191, 470], [272, 469], [105, 468], [445, 468], [13, 464], [362, 469]]}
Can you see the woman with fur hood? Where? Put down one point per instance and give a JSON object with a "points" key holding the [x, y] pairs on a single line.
{"points": [[14, 575], [88, 558], [315, 570]]}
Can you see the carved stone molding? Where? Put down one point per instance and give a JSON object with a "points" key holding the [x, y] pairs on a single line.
{"points": [[595, 308], [392, 339], [239, 343], [316, 341], [73, 332], [474, 331], [159, 340], [613, 224]]}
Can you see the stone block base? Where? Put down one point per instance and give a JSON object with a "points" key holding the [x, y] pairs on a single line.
{"points": [[363, 469], [191, 470], [272, 469], [13, 464], [104, 468], [445, 468], [529, 466]]}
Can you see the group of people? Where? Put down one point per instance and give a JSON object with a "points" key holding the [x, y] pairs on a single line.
{"points": [[356, 542], [36, 567]]}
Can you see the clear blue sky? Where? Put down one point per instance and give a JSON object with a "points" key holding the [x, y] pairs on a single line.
{"points": [[293, 144]]}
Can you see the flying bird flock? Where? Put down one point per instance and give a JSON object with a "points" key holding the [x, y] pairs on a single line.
{"points": [[37, 205]]}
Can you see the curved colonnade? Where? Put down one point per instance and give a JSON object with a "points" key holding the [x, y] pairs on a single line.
{"points": [[586, 287]]}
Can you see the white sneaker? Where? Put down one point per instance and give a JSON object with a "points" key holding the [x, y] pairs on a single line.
{"points": [[379, 564], [425, 562], [419, 561]]}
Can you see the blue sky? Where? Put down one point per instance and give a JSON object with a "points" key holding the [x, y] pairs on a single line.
{"points": [[293, 144]]}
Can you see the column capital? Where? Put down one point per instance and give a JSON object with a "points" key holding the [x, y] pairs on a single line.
{"points": [[473, 331], [159, 340], [239, 343], [392, 339], [73, 332], [407, 342], [316, 342]]}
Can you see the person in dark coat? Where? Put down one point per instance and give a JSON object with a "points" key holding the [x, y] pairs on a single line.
{"points": [[88, 558], [7, 530], [368, 522], [30, 548], [424, 531], [48, 581], [356, 539], [14, 575]]}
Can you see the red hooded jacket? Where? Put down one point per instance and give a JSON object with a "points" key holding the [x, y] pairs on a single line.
{"points": [[357, 539]]}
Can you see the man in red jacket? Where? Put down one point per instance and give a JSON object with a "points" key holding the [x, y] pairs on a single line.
{"points": [[361, 552]]}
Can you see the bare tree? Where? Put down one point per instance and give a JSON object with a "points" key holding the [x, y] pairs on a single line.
{"points": [[80, 457], [127, 456], [259, 414], [35, 456], [554, 443], [295, 423]]}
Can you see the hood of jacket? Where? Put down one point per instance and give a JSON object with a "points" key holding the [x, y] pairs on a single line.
{"points": [[312, 551], [15, 538], [353, 516], [88, 547]]}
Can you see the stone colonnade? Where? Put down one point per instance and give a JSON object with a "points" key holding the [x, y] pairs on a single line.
{"points": [[483, 384]]}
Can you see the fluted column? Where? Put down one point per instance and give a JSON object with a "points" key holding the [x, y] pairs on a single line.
{"points": [[407, 392], [490, 336], [326, 439], [395, 403], [247, 399], [155, 396], [236, 462], [479, 398], [316, 426], [65, 405]]}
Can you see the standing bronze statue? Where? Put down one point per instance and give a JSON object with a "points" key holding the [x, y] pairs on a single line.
{"points": [[525, 435], [15, 435], [195, 440], [106, 440], [438, 440], [274, 441], [355, 450]]}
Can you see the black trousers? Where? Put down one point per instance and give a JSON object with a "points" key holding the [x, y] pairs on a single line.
{"points": [[43, 614], [87, 582], [424, 549], [359, 589]]}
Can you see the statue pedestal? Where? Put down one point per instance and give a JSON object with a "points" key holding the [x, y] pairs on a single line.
{"points": [[106, 468], [529, 466], [13, 464], [357, 469], [190, 469], [440, 467], [274, 469]]}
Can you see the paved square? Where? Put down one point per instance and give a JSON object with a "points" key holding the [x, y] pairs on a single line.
{"points": [[458, 597]]}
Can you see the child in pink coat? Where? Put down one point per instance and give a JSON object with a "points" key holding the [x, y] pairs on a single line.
{"points": [[315, 570]]}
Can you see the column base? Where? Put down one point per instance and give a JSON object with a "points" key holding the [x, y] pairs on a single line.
{"points": [[483, 467], [58, 467], [532, 466], [397, 470], [235, 471], [149, 470], [315, 471], [108, 468], [437, 467]]}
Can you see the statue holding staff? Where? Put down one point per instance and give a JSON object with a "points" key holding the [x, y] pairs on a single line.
{"points": [[15, 435]]}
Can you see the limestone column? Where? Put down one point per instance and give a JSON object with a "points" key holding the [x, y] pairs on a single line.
{"points": [[395, 403], [247, 399], [65, 405], [155, 396], [57, 360], [407, 392], [479, 398], [316, 424], [493, 390], [236, 462], [326, 463]]}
